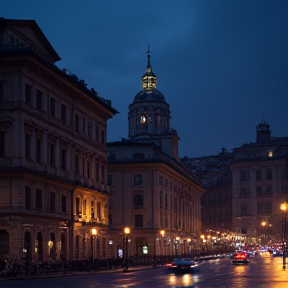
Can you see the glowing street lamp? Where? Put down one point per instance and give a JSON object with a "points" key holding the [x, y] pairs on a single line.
{"points": [[127, 232], [93, 233], [284, 207]]}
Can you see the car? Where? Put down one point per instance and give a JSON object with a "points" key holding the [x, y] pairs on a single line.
{"points": [[184, 265], [240, 258]]}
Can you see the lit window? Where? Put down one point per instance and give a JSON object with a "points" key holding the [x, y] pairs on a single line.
{"points": [[270, 154], [143, 119]]}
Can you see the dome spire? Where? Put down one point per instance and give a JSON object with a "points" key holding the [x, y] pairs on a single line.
{"points": [[149, 79]]}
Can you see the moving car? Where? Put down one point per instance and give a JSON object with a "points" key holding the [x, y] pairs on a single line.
{"points": [[240, 258], [183, 265]]}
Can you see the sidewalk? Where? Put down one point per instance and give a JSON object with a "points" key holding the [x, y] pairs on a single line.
{"points": [[75, 273]]}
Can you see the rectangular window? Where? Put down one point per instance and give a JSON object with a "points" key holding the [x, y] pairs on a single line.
{"points": [[160, 181], [63, 112], [166, 200], [138, 200], [88, 170], [39, 199], [39, 100], [92, 209], [64, 159], [78, 206], [52, 107], [243, 209], [109, 180], [27, 145], [269, 174], [161, 199], [259, 191], [84, 126], [84, 207], [137, 179], [258, 175], [28, 94], [175, 204], [28, 198], [97, 133], [52, 201], [77, 123], [98, 210], [38, 150], [64, 204], [138, 220], [77, 163], [2, 90], [97, 171], [89, 130], [2, 144], [103, 137], [244, 175], [52, 155]]}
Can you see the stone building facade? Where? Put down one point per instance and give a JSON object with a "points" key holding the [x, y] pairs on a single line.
{"points": [[53, 153], [152, 193]]}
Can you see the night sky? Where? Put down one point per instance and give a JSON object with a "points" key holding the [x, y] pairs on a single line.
{"points": [[222, 65]]}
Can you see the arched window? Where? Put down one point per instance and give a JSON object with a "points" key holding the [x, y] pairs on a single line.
{"points": [[4, 242]]}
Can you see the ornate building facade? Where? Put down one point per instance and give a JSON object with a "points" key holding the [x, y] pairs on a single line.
{"points": [[260, 186], [53, 153], [152, 193]]}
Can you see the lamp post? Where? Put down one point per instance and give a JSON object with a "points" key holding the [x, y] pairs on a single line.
{"points": [[162, 232], [264, 225], [93, 234], [283, 207], [127, 232]]}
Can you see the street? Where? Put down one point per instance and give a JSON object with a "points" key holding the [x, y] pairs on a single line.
{"points": [[262, 271]]}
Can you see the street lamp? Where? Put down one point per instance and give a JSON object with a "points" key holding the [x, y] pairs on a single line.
{"points": [[284, 207], [127, 232], [162, 232], [93, 233]]}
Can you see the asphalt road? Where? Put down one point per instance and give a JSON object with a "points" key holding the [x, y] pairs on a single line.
{"points": [[262, 272]]}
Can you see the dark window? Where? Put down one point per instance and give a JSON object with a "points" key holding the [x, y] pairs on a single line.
{"points": [[243, 209], [4, 242], [138, 220], [52, 107], [38, 150], [84, 126], [269, 190], [99, 210], [64, 159], [161, 199], [77, 164], [166, 200], [88, 170], [97, 133], [175, 204], [89, 130], [269, 174], [160, 181], [259, 191], [38, 199], [244, 192], [244, 175], [264, 207], [27, 145], [39, 100], [2, 90], [97, 171], [138, 179], [138, 200], [109, 180], [78, 206], [27, 197], [2, 144], [64, 203], [77, 123], [63, 112], [52, 201], [28, 93], [52, 155], [102, 137], [258, 175]]}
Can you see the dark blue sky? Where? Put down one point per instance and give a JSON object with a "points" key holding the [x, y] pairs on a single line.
{"points": [[222, 65]]}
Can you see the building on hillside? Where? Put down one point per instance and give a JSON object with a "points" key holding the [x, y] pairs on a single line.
{"points": [[260, 185], [152, 193], [53, 153], [214, 172]]}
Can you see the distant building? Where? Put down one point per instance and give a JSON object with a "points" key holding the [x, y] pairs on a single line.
{"points": [[260, 185], [152, 193], [214, 172], [53, 153]]}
